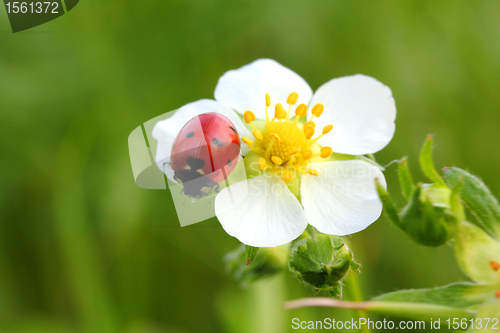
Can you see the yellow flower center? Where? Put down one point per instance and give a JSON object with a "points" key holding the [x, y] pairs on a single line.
{"points": [[292, 140], [285, 145]]}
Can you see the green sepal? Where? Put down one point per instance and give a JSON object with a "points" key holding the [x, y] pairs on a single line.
{"points": [[427, 164], [251, 253], [311, 231], [475, 250], [390, 209], [425, 222], [478, 198], [405, 179], [355, 266], [336, 290], [321, 262], [458, 295], [264, 265]]}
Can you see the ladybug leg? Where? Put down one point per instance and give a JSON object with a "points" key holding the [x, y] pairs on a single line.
{"points": [[207, 201], [185, 201], [217, 188]]}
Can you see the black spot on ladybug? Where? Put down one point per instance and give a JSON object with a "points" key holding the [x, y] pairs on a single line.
{"points": [[195, 184], [195, 163], [229, 162], [234, 129], [217, 142], [189, 134]]}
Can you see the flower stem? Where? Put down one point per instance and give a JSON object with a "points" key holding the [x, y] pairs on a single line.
{"points": [[355, 292]]}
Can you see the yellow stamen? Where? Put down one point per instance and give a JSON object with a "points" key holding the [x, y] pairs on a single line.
{"points": [[327, 129], [279, 111], [326, 152], [262, 163], [307, 154], [312, 172], [292, 98], [292, 153], [301, 110], [303, 171], [249, 116], [258, 134], [308, 132], [287, 176], [275, 136], [310, 123], [317, 110], [276, 160], [247, 141], [268, 102]]}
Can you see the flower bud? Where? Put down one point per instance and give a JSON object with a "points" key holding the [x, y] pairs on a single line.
{"points": [[322, 261], [478, 198], [427, 218], [432, 211]]}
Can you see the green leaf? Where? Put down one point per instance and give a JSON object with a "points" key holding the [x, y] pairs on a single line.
{"points": [[405, 179], [458, 295], [250, 253], [475, 250], [427, 164], [418, 311], [483, 205], [489, 310]]}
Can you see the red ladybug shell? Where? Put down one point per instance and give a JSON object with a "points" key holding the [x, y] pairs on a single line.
{"points": [[211, 138]]}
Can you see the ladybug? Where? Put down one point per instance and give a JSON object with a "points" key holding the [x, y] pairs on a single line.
{"points": [[204, 153]]}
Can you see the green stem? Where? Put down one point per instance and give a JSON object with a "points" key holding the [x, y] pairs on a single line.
{"points": [[355, 292]]}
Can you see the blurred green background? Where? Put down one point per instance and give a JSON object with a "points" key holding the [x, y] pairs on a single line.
{"points": [[83, 249]]}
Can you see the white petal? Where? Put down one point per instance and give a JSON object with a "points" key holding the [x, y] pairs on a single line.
{"points": [[260, 212], [245, 88], [362, 112], [166, 131], [343, 198]]}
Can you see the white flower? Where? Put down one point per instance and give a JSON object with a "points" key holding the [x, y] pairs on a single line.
{"points": [[298, 182]]}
